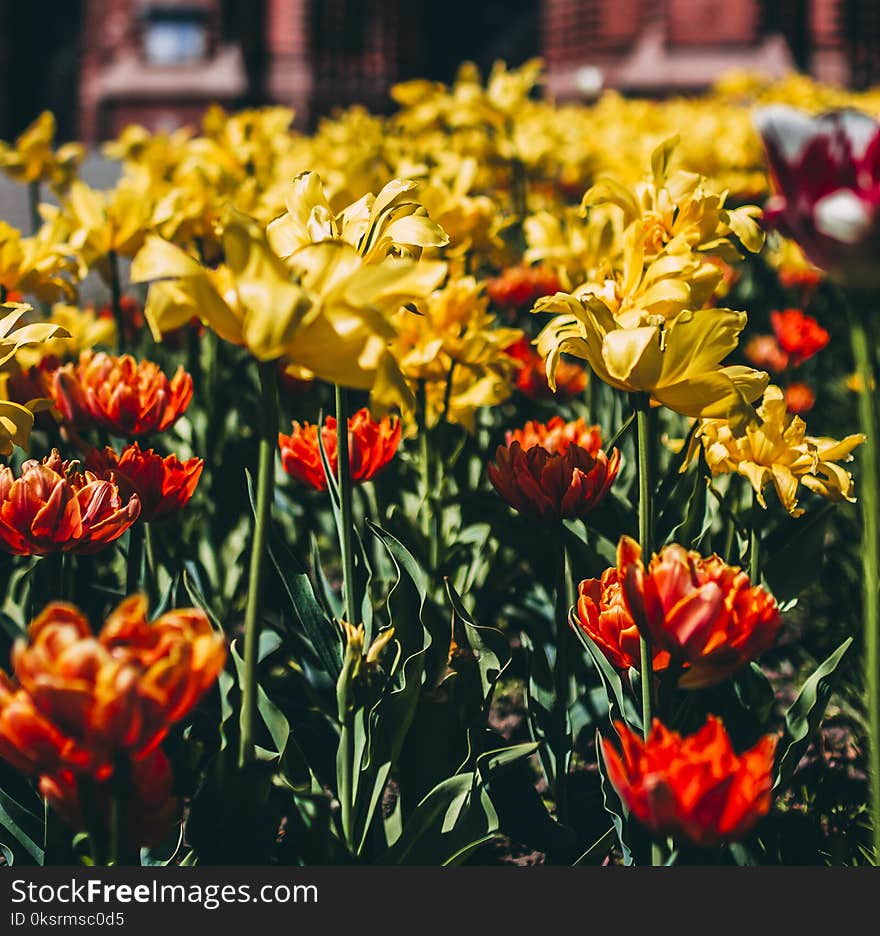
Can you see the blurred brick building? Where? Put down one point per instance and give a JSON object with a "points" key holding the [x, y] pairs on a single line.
{"points": [[102, 63]]}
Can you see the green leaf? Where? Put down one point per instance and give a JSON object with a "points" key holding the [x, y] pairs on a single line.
{"points": [[802, 719], [618, 707], [795, 552], [698, 514], [328, 595], [373, 741], [291, 761], [457, 815], [489, 646], [24, 826], [190, 583], [320, 631], [612, 804], [152, 857], [452, 820]]}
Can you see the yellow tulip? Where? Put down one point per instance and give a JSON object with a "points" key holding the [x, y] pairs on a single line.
{"points": [[679, 211], [677, 361], [104, 223], [32, 158], [324, 309], [774, 448], [16, 420], [38, 266], [83, 329], [392, 223], [455, 352]]}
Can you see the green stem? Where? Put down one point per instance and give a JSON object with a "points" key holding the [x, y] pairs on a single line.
{"points": [[119, 813], [134, 569], [869, 498], [116, 299], [561, 744], [424, 458], [263, 520], [94, 827], [646, 536], [150, 580], [50, 574], [346, 540], [754, 543], [346, 784], [34, 205], [519, 200], [645, 432]]}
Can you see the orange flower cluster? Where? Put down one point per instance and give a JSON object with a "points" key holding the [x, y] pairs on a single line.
{"points": [[696, 787], [519, 287], [80, 703], [701, 614], [799, 335], [54, 507], [531, 378], [163, 485], [558, 484], [603, 616], [123, 396], [371, 445]]}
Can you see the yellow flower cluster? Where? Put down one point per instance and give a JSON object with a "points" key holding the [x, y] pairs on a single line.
{"points": [[368, 268], [640, 318]]}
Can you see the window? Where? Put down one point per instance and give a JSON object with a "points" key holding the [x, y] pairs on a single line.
{"points": [[175, 36]]}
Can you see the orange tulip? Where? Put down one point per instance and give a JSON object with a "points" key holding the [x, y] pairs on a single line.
{"points": [[82, 701], [163, 485], [556, 435], [54, 507], [602, 615], [556, 485], [126, 397], [696, 787], [705, 613], [371, 444]]}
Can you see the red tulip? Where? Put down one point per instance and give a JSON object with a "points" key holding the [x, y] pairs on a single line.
{"points": [[799, 398], [164, 485], [764, 352], [707, 614], [531, 378], [696, 787], [799, 335], [556, 435], [552, 485], [53, 507], [520, 286], [371, 445], [126, 397]]}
